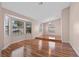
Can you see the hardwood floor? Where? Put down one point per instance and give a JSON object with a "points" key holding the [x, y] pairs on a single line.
{"points": [[41, 48]]}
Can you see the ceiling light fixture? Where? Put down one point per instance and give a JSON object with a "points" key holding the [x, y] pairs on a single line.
{"points": [[40, 3]]}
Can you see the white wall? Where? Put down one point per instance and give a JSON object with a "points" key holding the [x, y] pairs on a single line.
{"points": [[54, 23], [74, 26], [65, 24], [58, 26], [36, 29]]}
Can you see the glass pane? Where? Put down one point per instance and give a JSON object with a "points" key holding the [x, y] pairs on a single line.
{"points": [[28, 27], [18, 27]]}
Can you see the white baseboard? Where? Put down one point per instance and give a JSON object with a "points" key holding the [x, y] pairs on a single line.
{"points": [[75, 49], [72, 47]]}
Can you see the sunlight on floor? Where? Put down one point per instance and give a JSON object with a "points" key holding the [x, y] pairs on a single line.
{"points": [[52, 37]]}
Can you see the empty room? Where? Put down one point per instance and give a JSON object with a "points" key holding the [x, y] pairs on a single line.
{"points": [[39, 29]]}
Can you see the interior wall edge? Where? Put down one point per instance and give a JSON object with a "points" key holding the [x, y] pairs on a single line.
{"points": [[74, 48]]}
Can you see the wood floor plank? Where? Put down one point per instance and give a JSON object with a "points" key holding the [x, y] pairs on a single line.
{"points": [[40, 47]]}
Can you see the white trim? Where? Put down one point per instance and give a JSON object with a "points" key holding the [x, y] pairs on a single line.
{"points": [[17, 17], [74, 49]]}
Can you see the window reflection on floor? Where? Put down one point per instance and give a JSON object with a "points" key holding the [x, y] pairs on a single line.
{"points": [[18, 52]]}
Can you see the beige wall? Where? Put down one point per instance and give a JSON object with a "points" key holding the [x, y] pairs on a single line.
{"points": [[74, 26], [1, 29], [65, 24]]}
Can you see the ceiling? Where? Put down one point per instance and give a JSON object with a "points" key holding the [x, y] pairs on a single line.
{"points": [[41, 12]]}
